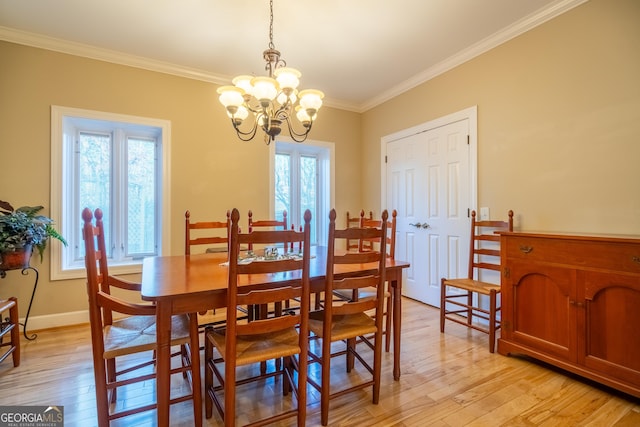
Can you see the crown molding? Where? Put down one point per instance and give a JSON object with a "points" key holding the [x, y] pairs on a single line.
{"points": [[92, 52], [495, 40]]}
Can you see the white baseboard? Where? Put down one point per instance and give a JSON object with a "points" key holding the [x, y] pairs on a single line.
{"points": [[48, 321]]}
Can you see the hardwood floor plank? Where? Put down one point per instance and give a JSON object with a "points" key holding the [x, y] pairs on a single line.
{"points": [[447, 380]]}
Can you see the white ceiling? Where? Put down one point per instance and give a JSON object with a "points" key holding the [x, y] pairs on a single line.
{"points": [[359, 52]]}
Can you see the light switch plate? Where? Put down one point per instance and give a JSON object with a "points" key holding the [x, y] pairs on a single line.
{"points": [[484, 214]]}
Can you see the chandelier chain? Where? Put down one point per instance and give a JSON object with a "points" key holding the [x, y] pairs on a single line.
{"points": [[271, 45]]}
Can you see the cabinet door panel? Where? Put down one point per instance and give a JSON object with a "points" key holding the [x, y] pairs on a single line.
{"points": [[544, 315], [612, 321]]}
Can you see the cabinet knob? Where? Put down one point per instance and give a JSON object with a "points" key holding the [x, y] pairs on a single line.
{"points": [[636, 259], [576, 303], [526, 249]]}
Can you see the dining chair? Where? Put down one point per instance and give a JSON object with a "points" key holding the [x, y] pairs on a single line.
{"points": [[132, 333], [10, 326], [214, 235], [243, 343], [460, 300], [355, 222], [368, 245], [353, 321], [217, 234], [270, 224]]}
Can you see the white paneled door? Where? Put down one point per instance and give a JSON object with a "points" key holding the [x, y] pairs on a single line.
{"points": [[429, 183]]}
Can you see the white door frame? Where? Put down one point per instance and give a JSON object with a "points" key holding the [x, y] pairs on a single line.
{"points": [[470, 114]]}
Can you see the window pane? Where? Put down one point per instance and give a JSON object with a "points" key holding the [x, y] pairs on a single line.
{"points": [[308, 191], [283, 186], [141, 197], [94, 180]]}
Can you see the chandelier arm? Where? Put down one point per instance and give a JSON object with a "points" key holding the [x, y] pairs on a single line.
{"points": [[298, 137], [250, 134]]}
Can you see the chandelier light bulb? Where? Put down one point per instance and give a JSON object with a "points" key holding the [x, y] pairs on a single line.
{"points": [[264, 88], [230, 96], [311, 99], [288, 78], [244, 83]]}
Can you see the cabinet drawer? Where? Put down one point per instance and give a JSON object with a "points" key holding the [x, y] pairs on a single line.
{"points": [[621, 256]]}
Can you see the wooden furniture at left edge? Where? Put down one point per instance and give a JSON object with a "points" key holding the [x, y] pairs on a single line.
{"points": [[186, 284], [574, 302]]}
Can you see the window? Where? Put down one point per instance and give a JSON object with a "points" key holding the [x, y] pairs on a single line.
{"points": [[114, 163], [303, 179]]}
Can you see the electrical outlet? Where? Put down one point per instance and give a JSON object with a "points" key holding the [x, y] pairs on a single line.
{"points": [[484, 214]]}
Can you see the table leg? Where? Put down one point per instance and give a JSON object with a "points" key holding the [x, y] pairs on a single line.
{"points": [[163, 363], [397, 323]]}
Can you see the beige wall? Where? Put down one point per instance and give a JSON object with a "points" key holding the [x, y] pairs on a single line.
{"points": [[211, 170], [558, 121], [558, 126]]}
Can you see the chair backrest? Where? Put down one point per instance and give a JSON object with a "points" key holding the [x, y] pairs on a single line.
{"points": [[101, 303], [196, 239], [355, 222], [484, 252], [266, 223], [367, 245], [96, 261], [295, 267], [337, 261], [299, 245]]}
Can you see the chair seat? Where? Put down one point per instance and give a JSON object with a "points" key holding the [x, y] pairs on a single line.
{"points": [[483, 288], [138, 333], [364, 293], [259, 347], [343, 326]]}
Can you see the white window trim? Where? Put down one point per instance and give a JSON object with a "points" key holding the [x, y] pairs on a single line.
{"points": [[57, 182], [327, 175]]}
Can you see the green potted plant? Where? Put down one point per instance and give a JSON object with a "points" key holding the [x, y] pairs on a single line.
{"points": [[21, 230]]}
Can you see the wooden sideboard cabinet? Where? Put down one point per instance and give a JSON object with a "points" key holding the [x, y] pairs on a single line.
{"points": [[574, 302]]}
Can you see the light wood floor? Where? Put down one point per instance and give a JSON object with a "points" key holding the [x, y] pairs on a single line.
{"points": [[447, 379]]}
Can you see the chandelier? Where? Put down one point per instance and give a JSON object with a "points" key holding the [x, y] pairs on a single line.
{"points": [[271, 100]]}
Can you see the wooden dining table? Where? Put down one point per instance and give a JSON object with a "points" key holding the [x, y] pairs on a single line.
{"points": [[195, 283]]}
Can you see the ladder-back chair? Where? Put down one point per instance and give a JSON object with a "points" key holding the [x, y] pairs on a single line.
{"points": [[460, 300], [113, 340], [271, 337], [353, 321]]}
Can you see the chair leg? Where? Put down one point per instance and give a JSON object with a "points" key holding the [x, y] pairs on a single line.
{"points": [[469, 309], [111, 377], [326, 378], [377, 362], [443, 294], [388, 318], [229, 393], [351, 348], [208, 375], [15, 332], [492, 320], [196, 385]]}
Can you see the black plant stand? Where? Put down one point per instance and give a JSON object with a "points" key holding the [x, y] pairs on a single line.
{"points": [[25, 271]]}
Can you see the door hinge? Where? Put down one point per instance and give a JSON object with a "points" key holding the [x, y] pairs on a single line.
{"points": [[385, 159], [468, 140]]}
